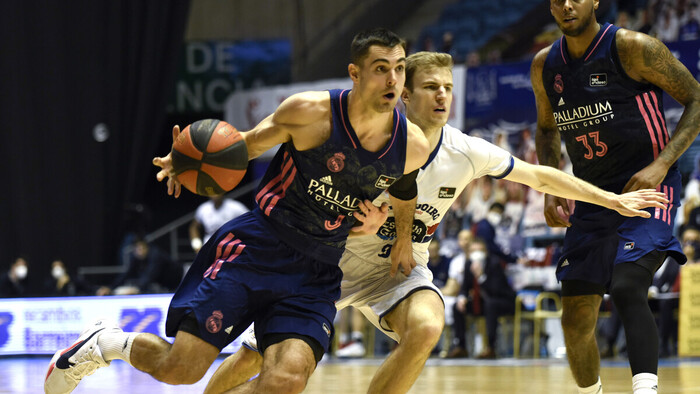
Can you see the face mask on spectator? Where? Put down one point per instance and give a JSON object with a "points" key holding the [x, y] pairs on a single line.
{"points": [[494, 218], [21, 272], [57, 272], [478, 255]]}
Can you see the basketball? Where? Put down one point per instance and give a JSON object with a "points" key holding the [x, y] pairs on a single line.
{"points": [[209, 157]]}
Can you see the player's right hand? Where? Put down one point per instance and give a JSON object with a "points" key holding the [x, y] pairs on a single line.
{"points": [[166, 165], [555, 216]]}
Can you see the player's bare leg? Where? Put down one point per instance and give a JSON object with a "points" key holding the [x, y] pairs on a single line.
{"points": [[235, 370], [184, 362], [578, 321], [286, 368], [419, 321]]}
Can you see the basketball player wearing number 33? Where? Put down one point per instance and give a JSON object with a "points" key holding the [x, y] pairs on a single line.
{"points": [[599, 89], [278, 264]]}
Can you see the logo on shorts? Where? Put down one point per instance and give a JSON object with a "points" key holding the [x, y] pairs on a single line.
{"points": [[327, 330], [599, 79], [558, 84], [629, 246], [384, 181], [213, 323], [336, 163], [565, 263], [446, 192]]}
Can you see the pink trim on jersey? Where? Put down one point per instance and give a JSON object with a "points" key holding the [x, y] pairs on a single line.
{"points": [[264, 193], [342, 117], [281, 191], [654, 143], [396, 128], [657, 127], [658, 113], [561, 49], [596, 44]]}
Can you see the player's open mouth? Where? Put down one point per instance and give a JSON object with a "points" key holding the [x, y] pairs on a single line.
{"points": [[389, 96], [439, 109], [569, 19]]}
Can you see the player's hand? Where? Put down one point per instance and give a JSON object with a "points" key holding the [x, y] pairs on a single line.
{"points": [[462, 304], [556, 211], [648, 177], [632, 203], [402, 255], [370, 218], [166, 165]]}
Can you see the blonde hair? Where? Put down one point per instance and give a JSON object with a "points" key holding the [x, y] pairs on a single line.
{"points": [[426, 60]]}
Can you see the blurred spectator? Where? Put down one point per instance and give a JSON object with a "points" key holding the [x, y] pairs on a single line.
{"points": [[667, 25], [485, 281], [137, 219], [473, 59], [690, 28], [211, 215], [690, 240], [526, 148], [454, 318], [481, 195], [148, 270], [447, 42], [500, 139], [14, 283], [60, 283], [351, 326], [438, 264], [485, 229], [623, 20]]}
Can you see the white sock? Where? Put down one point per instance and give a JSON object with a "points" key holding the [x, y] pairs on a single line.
{"points": [[357, 336], [116, 345], [645, 383], [596, 388]]}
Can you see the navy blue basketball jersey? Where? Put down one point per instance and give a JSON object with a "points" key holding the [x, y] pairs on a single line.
{"points": [[613, 126], [310, 196]]}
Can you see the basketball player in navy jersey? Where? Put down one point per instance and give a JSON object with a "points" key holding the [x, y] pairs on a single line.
{"points": [[599, 89], [278, 264], [410, 309]]}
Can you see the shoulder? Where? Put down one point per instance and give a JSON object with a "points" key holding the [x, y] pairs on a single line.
{"points": [[632, 41], [539, 59], [303, 108]]}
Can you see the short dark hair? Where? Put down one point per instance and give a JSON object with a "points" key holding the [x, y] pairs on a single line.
{"points": [[377, 36], [497, 206]]}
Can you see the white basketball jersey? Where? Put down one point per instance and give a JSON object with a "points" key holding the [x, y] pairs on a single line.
{"points": [[456, 161]]}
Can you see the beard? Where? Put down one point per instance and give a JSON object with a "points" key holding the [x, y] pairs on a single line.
{"points": [[577, 31]]}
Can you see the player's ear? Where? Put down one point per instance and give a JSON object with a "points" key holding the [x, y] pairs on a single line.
{"points": [[405, 95], [354, 72]]}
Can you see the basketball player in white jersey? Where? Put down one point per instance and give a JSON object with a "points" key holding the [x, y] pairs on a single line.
{"points": [[410, 308]]}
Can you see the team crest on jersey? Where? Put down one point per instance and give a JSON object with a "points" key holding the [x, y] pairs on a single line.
{"points": [[213, 322], [384, 181], [446, 192], [558, 84], [599, 79], [336, 163]]}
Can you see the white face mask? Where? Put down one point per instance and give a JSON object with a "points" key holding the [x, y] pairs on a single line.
{"points": [[21, 272], [478, 255], [57, 272], [494, 218]]}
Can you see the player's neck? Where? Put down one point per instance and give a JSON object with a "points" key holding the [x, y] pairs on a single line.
{"points": [[432, 134], [366, 121], [578, 45]]}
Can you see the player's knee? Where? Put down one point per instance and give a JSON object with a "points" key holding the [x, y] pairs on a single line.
{"points": [[627, 292], [287, 380], [179, 372], [578, 323], [423, 334]]}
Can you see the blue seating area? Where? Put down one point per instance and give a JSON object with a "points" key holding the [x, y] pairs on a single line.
{"points": [[474, 22]]}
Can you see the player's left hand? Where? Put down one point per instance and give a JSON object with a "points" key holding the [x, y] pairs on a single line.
{"points": [[402, 255], [648, 177], [370, 218], [166, 165], [632, 203]]}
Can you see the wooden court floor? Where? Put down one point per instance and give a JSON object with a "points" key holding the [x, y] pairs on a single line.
{"points": [[26, 375]]}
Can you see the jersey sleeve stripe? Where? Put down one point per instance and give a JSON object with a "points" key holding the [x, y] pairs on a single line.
{"points": [[507, 171]]}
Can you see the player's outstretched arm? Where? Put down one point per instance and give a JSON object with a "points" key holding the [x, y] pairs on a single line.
{"points": [[558, 183], [647, 59], [403, 195], [295, 119], [547, 141]]}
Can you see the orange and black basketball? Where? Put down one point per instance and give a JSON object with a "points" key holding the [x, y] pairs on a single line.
{"points": [[210, 157]]}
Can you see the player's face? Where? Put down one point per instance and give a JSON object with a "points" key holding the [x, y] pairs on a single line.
{"points": [[573, 16], [428, 105], [381, 76]]}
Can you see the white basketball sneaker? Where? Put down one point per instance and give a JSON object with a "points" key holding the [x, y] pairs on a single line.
{"points": [[248, 338], [69, 366]]}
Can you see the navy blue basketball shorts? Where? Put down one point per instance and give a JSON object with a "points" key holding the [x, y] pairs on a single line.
{"points": [[244, 274], [600, 238]]}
